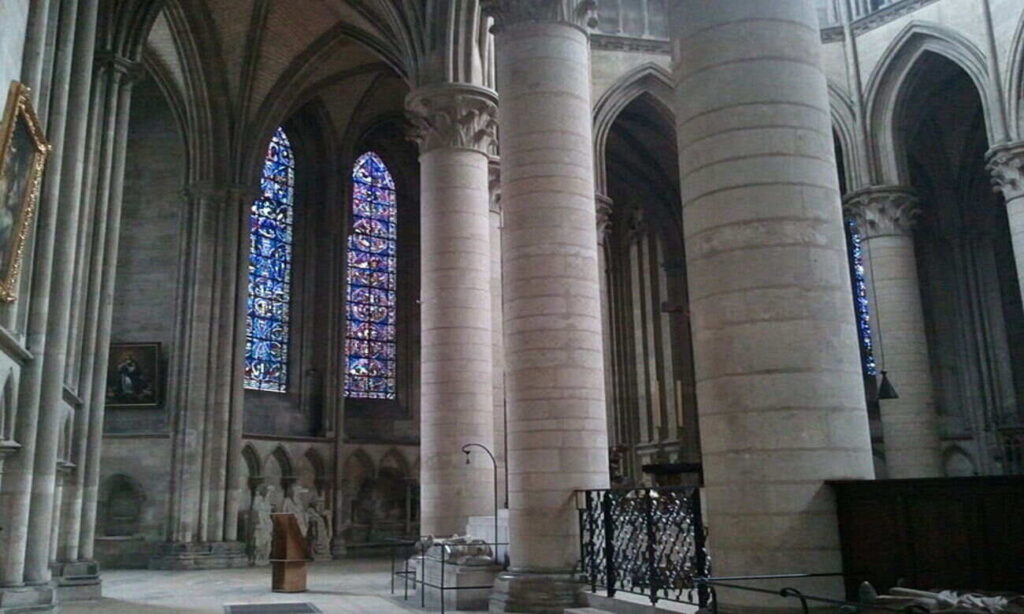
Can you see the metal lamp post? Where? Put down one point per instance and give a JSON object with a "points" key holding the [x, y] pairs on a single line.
{"points": [[494, 462]]}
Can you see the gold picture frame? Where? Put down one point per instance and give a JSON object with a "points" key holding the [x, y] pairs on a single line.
{"points": [[23, 152], [134, 375]]}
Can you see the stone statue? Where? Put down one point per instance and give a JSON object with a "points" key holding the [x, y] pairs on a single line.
{"points": [[295, 503], [319, 535], [262, 526], [459, 549]]}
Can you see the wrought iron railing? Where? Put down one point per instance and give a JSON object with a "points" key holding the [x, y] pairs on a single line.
{"points": [[648, 541]]}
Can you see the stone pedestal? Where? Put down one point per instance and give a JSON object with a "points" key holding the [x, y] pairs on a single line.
{"points": [[885, 218], [557, 431], [471, 584], [78, 581], [25, 599]]}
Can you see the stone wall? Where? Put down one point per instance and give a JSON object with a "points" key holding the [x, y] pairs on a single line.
{"points": [[137, 446], [147, 276]]}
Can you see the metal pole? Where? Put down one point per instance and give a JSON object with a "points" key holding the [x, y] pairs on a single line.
{"points": [[494, 462]]}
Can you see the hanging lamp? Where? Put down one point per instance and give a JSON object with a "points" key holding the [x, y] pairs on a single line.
{"points": [[886, 389]]}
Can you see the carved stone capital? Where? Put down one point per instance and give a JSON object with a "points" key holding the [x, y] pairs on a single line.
{"points": [[129, 71], [604, 217], [1006, 165], [581, 14], [883, 211], [454, 116]]}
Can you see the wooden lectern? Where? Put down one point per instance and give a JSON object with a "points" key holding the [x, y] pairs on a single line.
{"points": [[288, 555]]}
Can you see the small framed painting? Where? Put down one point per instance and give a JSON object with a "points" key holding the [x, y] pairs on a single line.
{"points": [[133, 375], [23, 152]]}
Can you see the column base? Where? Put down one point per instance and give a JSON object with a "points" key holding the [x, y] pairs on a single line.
{"points": [[212, 555], [77, 581], [25, 599], [536, 592]]}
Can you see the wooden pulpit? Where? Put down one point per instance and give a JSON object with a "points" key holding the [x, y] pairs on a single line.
{"points": [[288, 555]]}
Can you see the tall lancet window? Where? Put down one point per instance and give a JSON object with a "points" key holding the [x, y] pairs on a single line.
{"points": [[270, 270], [370, 292], [860, 298]]}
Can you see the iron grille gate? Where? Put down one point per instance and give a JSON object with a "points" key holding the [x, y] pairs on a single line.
{"points": [[647, 541]]}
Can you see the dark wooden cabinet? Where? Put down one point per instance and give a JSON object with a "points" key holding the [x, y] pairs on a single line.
{"points": [[948, 533]]}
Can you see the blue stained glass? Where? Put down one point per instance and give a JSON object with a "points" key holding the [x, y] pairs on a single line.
{"points": [[860, 298], [370, 295], [270, 255]]}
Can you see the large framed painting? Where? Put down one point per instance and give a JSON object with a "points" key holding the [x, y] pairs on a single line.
{"points": [[23, 152], [133, 375]]}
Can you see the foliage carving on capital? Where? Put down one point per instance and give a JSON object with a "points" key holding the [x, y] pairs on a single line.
{"points": [[128, 71], [460, 117], [883, 211], [1006, 165], [579, 13]]}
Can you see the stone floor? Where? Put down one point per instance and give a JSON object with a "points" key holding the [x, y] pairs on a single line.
{"points": [[336, 587]]}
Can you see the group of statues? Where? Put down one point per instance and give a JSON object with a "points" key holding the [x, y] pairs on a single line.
{"points": [[309, 510]]}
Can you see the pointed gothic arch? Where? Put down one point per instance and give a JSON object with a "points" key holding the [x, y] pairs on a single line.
{"points": [[650, 78], [845, 128], [892, 77]]}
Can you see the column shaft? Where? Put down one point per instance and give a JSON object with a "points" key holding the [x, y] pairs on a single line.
{"points": [[557, 426], [45, 500], [778, 377], [1006, 164], [885, 217], [113, 136], [498, 332], [86, 307], [37, 428], [456, 364]]}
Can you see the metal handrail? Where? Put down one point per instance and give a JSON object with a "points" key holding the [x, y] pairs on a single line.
{"points": [[844, 606]]}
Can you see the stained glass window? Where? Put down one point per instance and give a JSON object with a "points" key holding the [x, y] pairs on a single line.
{"points": [[270, 256], [370, 292], [860, 297]]}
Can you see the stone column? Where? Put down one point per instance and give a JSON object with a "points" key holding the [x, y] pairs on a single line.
{"points": [[455, 126], [25, 478], [116, 75], [46, 489], [557, 428], [222, 485], [603, 210], [885, 218], [206, 428], [775, 345], [498, 330], [1006, 164]]}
